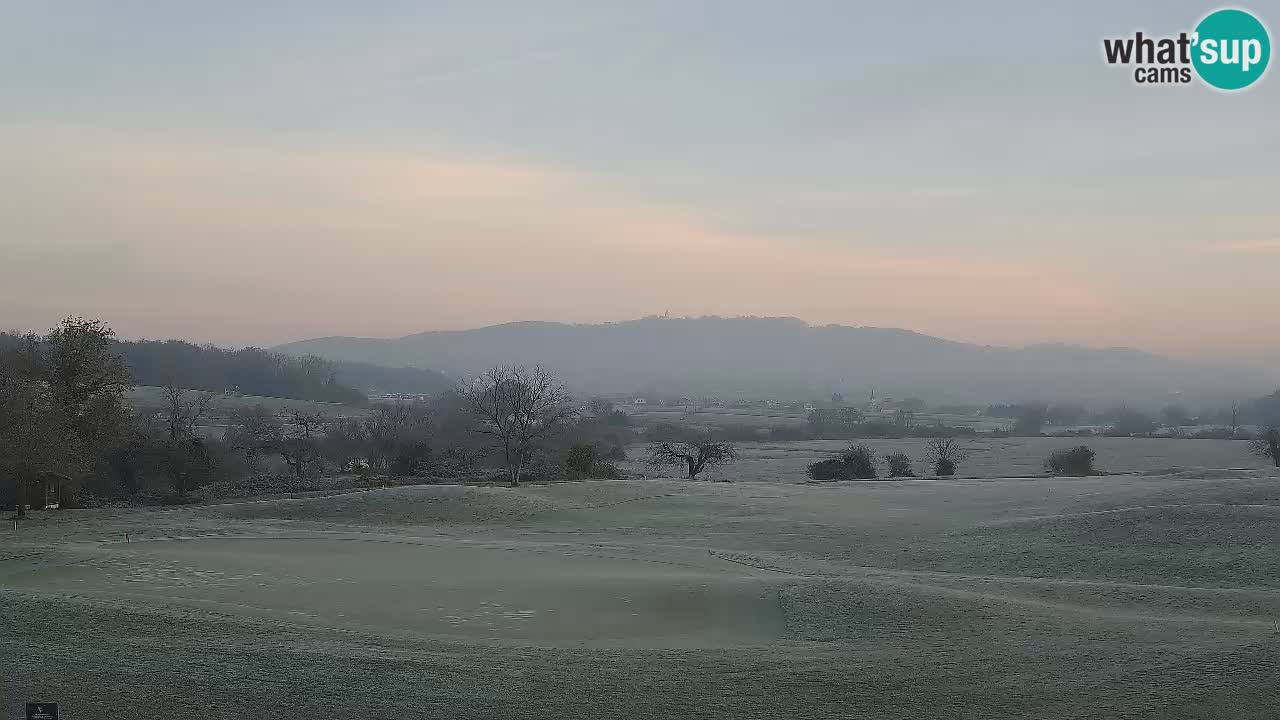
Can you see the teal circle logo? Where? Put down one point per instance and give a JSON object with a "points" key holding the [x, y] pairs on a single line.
{"points": [[1232, 49]]}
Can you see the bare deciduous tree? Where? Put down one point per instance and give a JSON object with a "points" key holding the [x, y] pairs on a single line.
{"points": [[257, 430], [183, 412], [945, 454], [599, 407], [346, 444], [517, 408], [317, 369], [695, 456], [185, 458], [399, 437], [1267, 444], [298, 443], [254, 431], [465, 458]]}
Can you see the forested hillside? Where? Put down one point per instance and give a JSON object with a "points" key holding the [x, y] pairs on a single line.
{"points": [[254, 371]]}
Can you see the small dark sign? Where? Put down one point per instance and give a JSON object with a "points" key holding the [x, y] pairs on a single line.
{"points": [[42, 711]]}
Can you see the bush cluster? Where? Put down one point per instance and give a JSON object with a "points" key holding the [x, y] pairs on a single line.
{"points": [[1076, 461], [899, 465], [856, 463]]}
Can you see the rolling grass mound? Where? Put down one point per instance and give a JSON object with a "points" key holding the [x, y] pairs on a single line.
{"points": [[1219, 545], [416, 505], [1117, 596], [517, 592]]}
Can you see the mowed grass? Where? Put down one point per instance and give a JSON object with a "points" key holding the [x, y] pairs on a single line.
{"points": [[432, 588], [1147, 596]]}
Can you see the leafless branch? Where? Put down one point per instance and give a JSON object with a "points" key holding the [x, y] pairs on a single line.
{"points": [[695, 456], [184, 413], [518, 408]]}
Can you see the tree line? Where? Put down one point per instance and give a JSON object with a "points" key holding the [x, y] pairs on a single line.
{"points": [[1030, 419], [861, 462], [254, 371], [66, 431], [248, 371]]}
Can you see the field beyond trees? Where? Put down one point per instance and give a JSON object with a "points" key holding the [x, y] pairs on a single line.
{"points": [[988, 457]]}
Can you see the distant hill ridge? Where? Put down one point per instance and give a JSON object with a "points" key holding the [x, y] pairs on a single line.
{"points": [[789, 357]]}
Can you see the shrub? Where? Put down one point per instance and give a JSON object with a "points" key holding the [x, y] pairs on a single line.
{"points": [[830, 469], [856, 463], [585, 460], [1077, 461], [1267, 444], [861, 461], [899, 465], [945, 453], [544, 466], [581, 459], [410, 458]]}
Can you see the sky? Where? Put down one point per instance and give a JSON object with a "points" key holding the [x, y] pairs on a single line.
{"points": [[261, 172]]}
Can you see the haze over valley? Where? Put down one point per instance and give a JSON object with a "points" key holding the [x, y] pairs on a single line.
{"points": [[790, 359]]}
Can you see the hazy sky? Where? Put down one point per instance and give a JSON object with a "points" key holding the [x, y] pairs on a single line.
{"points": [[258, 172]]}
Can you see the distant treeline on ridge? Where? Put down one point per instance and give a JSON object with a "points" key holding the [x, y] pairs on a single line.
{"points": [[254, 371]]}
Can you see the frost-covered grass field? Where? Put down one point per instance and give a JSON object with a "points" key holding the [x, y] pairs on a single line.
{"points": [[149, 396], [1150, 595], [988, 457]]}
